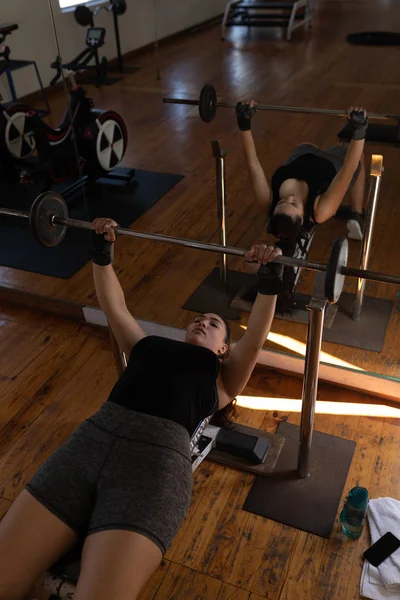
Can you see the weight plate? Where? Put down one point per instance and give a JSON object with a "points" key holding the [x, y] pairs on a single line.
{"points": [[334, 280], [207, 103], [44, 207], [84, 16], [119, 6]]}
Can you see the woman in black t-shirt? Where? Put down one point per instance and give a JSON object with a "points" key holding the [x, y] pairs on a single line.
{"points": [[121, 484], [311, 185]]}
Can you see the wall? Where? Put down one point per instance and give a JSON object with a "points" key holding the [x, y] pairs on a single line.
{"points": [[35, 38]]}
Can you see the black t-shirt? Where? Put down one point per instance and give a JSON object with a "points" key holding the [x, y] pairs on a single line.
{"points": [[316, 171], [169, 379]]}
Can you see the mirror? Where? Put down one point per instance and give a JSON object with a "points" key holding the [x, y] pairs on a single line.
{"points": [[150, 166]]}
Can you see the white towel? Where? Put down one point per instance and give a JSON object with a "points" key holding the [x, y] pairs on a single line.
{"points": [[382, 582]]}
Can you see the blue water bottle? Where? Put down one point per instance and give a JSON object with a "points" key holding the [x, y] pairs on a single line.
{"points": [[354, 512]]}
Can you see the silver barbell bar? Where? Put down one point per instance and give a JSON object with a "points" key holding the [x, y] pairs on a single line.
{"points": [[278, 108], [210, 247]]}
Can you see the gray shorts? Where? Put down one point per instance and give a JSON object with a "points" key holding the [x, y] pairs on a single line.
{"points": [[120, 470], [335, 155]]}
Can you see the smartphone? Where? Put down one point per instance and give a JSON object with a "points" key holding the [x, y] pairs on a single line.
{"points": [[382, 549]]}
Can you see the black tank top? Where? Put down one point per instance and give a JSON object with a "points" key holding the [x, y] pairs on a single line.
{"points": [[316, 171], [169, 379]]}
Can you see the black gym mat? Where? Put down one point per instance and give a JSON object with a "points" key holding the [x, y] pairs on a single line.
{"points": [[369, 332], [19, 249], [308, 504], [374, 38]]}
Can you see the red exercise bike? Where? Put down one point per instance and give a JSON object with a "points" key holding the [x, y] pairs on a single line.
{"points": [[100, 138]]}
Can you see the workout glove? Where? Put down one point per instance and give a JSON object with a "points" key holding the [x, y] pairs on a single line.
{"points": [[270, 279], [359, 124], [102, 250], [244, 112]]}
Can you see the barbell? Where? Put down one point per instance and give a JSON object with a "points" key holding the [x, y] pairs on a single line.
{"points": [[208, 105], [49, 222]]}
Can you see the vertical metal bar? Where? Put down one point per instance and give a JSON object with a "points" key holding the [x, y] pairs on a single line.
{"points": [[310, 383], [373, 196], [119, 356], [117, 40], [219, 156]]}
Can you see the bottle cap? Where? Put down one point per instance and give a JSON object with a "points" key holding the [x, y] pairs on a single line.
{"points": [[358, 497]]}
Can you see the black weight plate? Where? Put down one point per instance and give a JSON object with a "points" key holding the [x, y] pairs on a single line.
{"points": [[44, 207], [84, 16], [119, 6], [334, 280], [207, 103]]}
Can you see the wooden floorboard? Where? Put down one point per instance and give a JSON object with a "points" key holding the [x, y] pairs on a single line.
{"points": [[316, 69]]}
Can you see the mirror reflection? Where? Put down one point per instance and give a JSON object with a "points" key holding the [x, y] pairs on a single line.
{"points": [[98, 134]]}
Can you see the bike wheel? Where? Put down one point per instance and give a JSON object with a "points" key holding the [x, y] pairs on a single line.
{"points": [[108, 142], [19, 141]]}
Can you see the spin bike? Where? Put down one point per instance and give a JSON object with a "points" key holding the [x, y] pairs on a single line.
{"points": [[100, 137]]}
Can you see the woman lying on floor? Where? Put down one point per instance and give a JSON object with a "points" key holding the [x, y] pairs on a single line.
{"points": [[122, 482]]}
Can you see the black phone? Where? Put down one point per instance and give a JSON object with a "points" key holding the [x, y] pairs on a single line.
{"points": [[382, 549]]}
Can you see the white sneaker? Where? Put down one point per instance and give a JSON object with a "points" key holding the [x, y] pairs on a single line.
{"points": [[355, 226]]}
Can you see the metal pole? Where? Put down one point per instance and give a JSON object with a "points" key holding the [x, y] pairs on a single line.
{"points": [[219, 156], [310, 383], [117, 40], [373, 196], [119, 356]]}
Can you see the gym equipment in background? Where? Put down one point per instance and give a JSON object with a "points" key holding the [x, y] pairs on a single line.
{"points": [[8, 66], [85, 17], [100, 137], [208, 105], [95, 37], [377, 132], [275, 13]]}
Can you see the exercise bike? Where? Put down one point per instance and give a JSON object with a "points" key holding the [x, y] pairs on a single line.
{"points": [[100, 138], [95, 37]]}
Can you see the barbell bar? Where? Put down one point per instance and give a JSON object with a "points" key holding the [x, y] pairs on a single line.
{"points": [[208, 105], [48, 219]]}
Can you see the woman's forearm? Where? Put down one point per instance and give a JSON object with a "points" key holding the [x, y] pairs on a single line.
{"points": [[108, 289], [259, 183], [353, 156], [260, 320]]}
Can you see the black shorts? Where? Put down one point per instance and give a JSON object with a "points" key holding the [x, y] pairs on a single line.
{"points": [[120, 470]]}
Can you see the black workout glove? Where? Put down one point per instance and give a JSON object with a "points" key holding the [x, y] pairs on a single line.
{"points": [[102, 250], [244, 112], [270, 279], [359, 124]]}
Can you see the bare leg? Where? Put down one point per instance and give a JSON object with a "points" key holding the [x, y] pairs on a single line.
{"points": [[31, 540], [355, 224], [358, 190], [116, 564]]}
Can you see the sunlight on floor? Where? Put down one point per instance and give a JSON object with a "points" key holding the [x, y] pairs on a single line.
{"points": [[322, 407], [300, 348]]}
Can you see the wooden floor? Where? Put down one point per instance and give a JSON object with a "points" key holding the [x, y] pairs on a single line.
{"points": [[55, 373], [315, 69]]}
